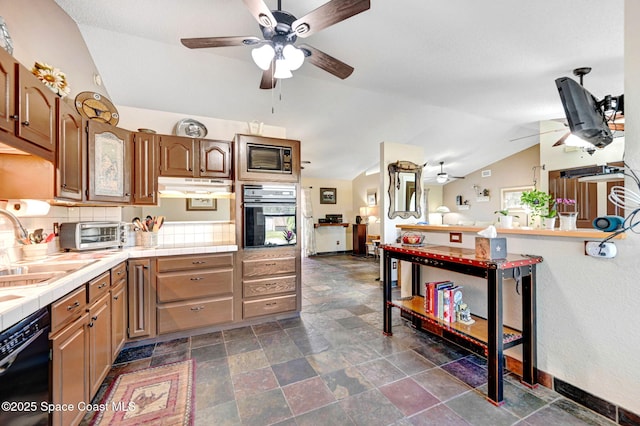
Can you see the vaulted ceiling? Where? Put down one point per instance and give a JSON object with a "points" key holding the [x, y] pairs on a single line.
{"points": [[462, 78]]}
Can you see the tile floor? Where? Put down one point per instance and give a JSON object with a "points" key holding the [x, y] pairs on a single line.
{"points": [[332, 366]]}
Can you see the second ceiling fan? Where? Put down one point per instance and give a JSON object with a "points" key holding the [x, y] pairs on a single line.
{"points": [[277, 53]]}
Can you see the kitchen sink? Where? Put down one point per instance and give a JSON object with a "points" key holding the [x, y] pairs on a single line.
{"points": [[36, 273], [28, 278]]}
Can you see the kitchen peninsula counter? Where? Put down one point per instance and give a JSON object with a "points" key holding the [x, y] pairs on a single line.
{"points": [[506, 232], [17, 303]]}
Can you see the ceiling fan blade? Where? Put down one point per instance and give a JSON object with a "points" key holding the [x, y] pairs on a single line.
{"points": [[261, 12], [327, 62], [562, 139], [203, 42], [328, 14], [268, 81]]}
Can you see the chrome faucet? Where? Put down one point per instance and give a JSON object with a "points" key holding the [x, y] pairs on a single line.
{"points": [[21, 233]]}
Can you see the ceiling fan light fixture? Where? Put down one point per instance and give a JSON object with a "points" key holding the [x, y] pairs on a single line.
{"points": [[293, 56], [442, 177], [263, 56], [282, 70]]}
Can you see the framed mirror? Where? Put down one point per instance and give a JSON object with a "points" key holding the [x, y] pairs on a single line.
{"points": [[405, 189]]}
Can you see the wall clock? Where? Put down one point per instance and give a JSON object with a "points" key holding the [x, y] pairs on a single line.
{"points": [[94, 106]]}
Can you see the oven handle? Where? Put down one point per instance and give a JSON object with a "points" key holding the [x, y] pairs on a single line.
{"points": [[6, 363]]}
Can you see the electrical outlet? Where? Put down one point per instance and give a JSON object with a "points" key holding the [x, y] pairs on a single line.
{"points": [[338, 242], [599, 249]]}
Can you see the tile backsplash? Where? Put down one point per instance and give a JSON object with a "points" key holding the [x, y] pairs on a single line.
{"points": [[171, 234]]}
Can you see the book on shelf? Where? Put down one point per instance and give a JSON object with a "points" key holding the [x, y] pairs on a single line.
{"points": [[429, 295], [453, 298], [439, 294]]}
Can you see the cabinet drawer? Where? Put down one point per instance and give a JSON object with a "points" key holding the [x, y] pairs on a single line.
{"points": [[269, 286], [194, 262], [99, 286], [261, 267], [200, 313], [118, 274], [195, 284], [273, 305], [68, 308]]}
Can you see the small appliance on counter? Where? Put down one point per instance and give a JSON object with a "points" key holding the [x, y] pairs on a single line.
{"points": [[92, 235]]}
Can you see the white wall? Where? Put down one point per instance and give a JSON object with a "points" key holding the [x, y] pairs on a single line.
{"points": [[331, 239]]}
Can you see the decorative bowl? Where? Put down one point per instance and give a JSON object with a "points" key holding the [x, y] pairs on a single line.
{"points": [[412, 239]]}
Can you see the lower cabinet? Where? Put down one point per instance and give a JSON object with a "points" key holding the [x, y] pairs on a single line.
{"points": [[81, 346], [119, 313], [194, 291], [270, 282], [70, 371], [100, 355], [141, 299]]}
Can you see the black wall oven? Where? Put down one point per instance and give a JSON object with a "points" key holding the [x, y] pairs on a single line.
{"points": [[269, 216]]}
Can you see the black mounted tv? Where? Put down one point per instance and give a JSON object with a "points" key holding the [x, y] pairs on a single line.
{"points": [[584, 113]]}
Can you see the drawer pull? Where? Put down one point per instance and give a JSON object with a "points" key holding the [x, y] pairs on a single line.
{"points": [[197, 278], [197, 308], [271, 304], [75, 305], [103, 285], [198, 262], [269, 264]]}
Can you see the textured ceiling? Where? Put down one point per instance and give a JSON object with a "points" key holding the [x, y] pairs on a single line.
{"points": [[460, 77]]}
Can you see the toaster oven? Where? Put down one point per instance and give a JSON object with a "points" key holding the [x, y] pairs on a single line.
{"points": [[92, 235]]}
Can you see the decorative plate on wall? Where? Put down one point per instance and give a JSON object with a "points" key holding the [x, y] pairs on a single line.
{"points": [[94, 106], [191, 128]]}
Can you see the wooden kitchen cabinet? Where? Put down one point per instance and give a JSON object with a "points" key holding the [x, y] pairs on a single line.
{"points": [[145, 168], [99, 328], [270, 282], [27, 113], [70, 371], [70, 164], [141, 299], [109, 163], [194, 291], [118, 294], [187, 157]]}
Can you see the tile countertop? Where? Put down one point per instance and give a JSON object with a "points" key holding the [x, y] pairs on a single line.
{"points": [[32, 297]]}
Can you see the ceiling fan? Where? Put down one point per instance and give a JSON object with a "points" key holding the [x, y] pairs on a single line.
{"points": [[276, 54], [443, 176]]}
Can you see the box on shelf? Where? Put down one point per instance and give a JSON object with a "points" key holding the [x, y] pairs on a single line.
{"points": [[491, 248]]}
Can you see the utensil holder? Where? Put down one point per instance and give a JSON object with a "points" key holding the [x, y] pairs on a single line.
{"points": [[148, 239]]}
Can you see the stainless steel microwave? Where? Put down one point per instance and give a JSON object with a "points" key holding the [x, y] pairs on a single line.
{"points": [[269, 158]]}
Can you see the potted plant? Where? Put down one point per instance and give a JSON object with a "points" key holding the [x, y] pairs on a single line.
{"points": [[549, 218], [536, 202], [506, 220]]}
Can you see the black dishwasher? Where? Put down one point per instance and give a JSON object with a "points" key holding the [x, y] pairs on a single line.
{"points": [[24, 371]]}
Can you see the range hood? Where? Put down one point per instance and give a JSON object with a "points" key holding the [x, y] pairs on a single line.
{"points": [[174, 187]]}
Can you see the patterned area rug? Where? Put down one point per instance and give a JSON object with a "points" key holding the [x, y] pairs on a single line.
{"points": [[161, 395]]}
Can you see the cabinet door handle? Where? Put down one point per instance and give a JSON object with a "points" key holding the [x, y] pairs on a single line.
{"points": [[75, 305], [197, 308], [94, 318], [197, 278], [25, 123], [115, 297], [91, 324], [15, 117]]}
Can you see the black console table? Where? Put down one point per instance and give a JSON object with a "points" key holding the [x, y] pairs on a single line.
{"points": [[489, 335]]}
